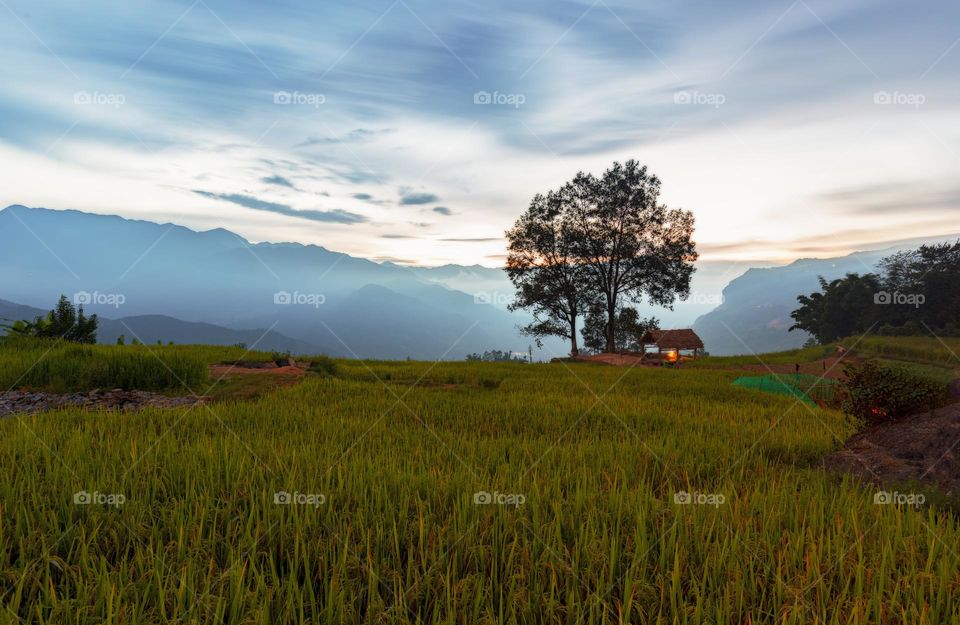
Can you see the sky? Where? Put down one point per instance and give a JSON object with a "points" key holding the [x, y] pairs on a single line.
{"points": [[418, 131]]}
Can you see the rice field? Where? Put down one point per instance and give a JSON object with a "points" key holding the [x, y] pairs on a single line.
{"points": [[943, 351], [407, 492]]}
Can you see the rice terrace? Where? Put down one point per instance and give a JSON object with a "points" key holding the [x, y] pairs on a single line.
{"points": [[410, 312]]}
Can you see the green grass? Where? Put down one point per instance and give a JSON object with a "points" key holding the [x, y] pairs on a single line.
{"points": [[59, 366], [919, 349], [399, 538], [789, 357]]}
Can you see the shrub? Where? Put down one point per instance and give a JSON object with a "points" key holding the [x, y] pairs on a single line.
{"points": [[324, 365], [281, 359], [876, 393]]}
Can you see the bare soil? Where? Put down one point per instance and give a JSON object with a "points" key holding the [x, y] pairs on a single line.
{"points": [[224, 371], [29, 402], [616, 360], [923, 448]]}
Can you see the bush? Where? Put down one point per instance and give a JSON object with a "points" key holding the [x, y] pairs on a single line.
{"points": [[281, 359], [323, 365], [876, 393]]}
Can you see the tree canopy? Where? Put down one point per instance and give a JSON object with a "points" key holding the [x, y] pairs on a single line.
{"points": [[597, 244], [913, 292], [64, 321]]}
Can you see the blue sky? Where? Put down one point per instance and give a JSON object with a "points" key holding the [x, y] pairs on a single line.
{"points": [[417, 131]]}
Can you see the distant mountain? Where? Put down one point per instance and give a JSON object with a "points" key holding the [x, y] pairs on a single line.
{"points": [[755, 313], [341, 305], [153, 328]]}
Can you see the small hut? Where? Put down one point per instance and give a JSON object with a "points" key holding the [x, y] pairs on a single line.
{"points": [[671, 344]]}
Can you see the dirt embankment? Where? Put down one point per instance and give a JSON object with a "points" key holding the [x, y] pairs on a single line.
{"points": [[225, 371], [923, 448], [116, 399]]}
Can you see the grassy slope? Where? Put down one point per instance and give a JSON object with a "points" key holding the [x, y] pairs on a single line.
{"points": [[399, 538]]}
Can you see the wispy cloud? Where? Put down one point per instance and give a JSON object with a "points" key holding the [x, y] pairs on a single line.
{"points": [[279, 181], [332, 216], [442, 210], [416, 199]]}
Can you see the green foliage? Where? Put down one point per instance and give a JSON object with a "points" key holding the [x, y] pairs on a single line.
{"points": [[281, 359], [495, 355], [399, 539], [323, 365], [63, 322], [599, 242], [843, 307], [629, 329], [48, 364], [915, 293], [876, 392]]}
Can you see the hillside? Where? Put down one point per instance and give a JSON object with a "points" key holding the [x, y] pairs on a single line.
{"points": [[347, 304], [754, 316], [524, 496]]}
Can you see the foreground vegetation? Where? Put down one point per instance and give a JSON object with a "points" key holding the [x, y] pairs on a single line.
{"points": [[59, 366], [387, 466]]}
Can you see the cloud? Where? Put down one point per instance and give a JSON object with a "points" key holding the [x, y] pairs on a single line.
{"points": [[280, 181], [894, 198], [472, 240], [442, 210], [416, 199], [362, 196], [356, 135], [333, 216]]}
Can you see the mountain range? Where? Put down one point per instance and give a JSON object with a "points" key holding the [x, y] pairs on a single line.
{"points": [[169, 283]]}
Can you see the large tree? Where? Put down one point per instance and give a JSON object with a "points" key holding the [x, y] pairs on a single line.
{"points": [[542, 266], [630, 245], [843, 307]]}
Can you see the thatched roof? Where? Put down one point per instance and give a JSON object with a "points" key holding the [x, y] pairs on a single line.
{"points": [[673, 339]]}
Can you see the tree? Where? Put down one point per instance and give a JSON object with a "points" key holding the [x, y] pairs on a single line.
{"points": [[843, 307], [930, 272], [494, 356], [64, 321], [629, 330], [543, 269], [629, 244]]}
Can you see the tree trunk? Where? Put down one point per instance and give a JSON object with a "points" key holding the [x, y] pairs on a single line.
{"points": [[611, 329], [573, 338]]}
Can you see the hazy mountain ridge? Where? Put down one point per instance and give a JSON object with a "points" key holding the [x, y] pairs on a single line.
{"points": [[755, 313], [217, 277]]}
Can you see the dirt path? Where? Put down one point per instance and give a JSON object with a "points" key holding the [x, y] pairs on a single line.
{"points": [[827, 367], [225, 371]]}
